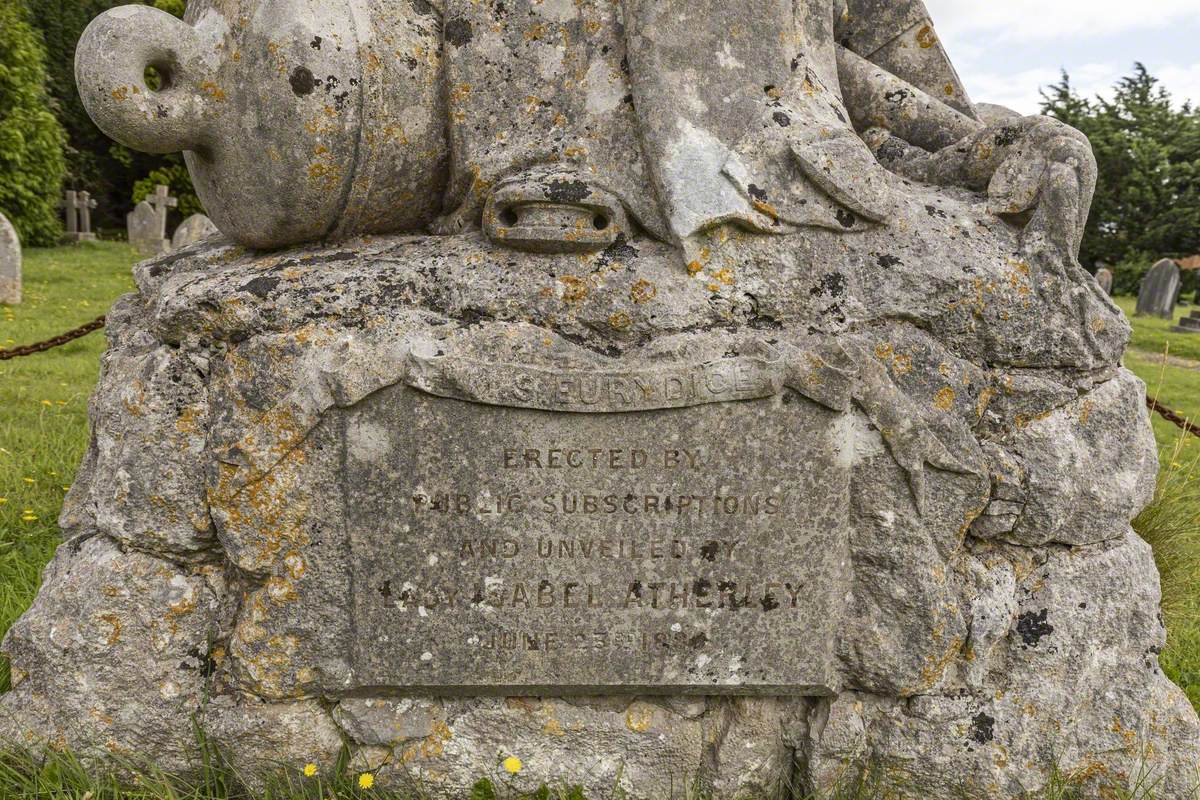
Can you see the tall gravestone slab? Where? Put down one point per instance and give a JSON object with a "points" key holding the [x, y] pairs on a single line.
{"points": [[147, 230], [705, 452], [10, 263], [1160, 290]]}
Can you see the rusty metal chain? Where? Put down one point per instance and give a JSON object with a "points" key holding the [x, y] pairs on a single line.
{"points": [[1172, 417], [57, 341], [78, 333]]}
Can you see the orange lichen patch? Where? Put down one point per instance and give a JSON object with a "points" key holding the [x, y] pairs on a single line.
{"points": [[120, 93], [949, 89], [643, 291], [574, 289], [926, 38], [280, 590], [536, 32], [186, 423], [944, 399], [985, 400], [695, 268], [431, 746], [620, 321], [214, 91], [638, 717], [902, 365], [114, 622], [883, 351], [725, 275], [764, 207], [1086, 412]]}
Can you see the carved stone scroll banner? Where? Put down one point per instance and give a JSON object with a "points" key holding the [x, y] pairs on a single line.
{"points": [[500, 550], [666, 386]]}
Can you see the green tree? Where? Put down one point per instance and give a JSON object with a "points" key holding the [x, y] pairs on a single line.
{"points": [[1148, 149], [31, 139], [95, 162]]}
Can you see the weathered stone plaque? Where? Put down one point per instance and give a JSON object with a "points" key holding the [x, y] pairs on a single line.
{"points": [[499, 549]]}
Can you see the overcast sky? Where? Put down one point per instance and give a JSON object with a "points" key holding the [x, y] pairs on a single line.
{"points": [[1005, 50]]}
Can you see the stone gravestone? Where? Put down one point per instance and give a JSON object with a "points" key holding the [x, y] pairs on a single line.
{"points": [[1159, 291], [10, 263], [672, 461], [195, 228], [78, 207], [1104, 277], [146, 230]]}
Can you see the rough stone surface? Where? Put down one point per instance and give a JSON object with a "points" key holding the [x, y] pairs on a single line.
{"points": [[108, 618], [10, 263], [195, 228], [1159, 291], [683, 262]]}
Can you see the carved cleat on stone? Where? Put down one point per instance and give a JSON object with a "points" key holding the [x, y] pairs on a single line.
{"points": [[553, 212]]}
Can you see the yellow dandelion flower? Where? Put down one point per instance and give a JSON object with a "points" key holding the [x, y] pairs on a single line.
{"points": [[310, 770], [513, 765], [3, 500], [29, 480], [29, 518], [47, 403], [366, 780]]}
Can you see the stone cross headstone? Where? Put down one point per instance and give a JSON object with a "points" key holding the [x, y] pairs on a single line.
{"points": [[1159, 290], [10, 263], [146, 230], [77, 207], [163, 202], [193, 229], [1104, 277]]}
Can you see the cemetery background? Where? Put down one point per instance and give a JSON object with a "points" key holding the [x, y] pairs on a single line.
{"points": [[43, 427]]}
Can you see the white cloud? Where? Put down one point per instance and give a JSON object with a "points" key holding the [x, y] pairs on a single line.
{"points": [[1020, 90], [1034, 20]]}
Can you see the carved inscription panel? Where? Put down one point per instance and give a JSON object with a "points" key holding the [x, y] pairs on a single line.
{"points": [[507, 550]]}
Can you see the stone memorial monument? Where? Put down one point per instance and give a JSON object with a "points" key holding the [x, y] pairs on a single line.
{"points": [[10, 263], [717, 400], [78, 207], [194, 229], [1104, 277], [1159, 291]]}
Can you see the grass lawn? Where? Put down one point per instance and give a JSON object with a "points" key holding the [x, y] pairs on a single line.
{"points": [[43, 433]]}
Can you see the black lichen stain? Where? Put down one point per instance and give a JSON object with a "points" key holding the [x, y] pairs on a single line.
{"points": [[458, 31], [846, 218], [1007, 136], [781, 119], [833, 284], [315, 44], [698, 641], [709, 551], [567, 191], [983, 728], [199, 661], [385, 591], [888, 261], [303, 82], [897, 96], [757, 192], [1033, 626], [261, 286]]}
